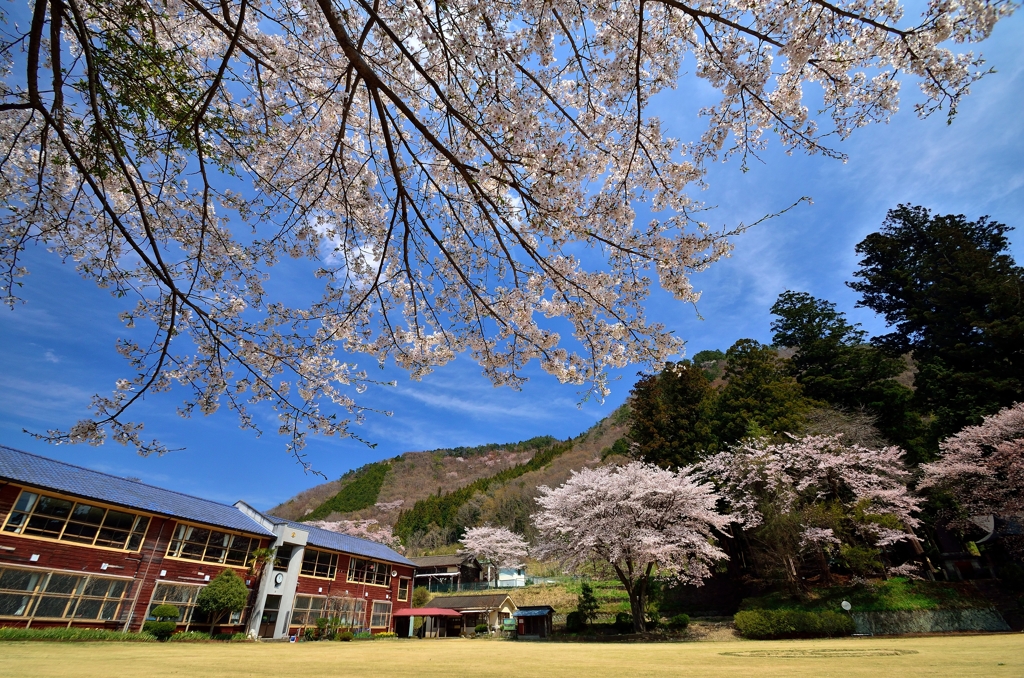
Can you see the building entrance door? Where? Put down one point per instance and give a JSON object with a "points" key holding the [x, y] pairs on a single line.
{"points": [[268, 622]]}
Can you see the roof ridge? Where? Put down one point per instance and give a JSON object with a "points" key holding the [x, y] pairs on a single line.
{"points": [[344, 534], [111, 475]]}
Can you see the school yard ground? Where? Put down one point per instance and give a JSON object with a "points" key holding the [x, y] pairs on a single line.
{"points": [[980, 655]]}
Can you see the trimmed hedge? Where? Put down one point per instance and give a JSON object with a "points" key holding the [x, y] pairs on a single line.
{"points": [[770, 624], [74, 634], [161, 629], [679, 622]]}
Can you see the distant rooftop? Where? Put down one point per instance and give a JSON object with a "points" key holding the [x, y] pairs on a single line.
{"points": [[441, 561]]}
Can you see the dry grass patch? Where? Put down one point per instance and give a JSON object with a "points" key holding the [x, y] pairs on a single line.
{"points": [[992, 655]]}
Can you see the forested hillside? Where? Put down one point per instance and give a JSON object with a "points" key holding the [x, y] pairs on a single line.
{"points": [[406, 478], [430, 497]]}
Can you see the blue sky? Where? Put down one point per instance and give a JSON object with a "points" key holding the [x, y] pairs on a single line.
{"points": [[59, 347]]}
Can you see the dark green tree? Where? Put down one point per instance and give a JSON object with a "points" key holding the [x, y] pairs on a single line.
{"points": [[586, 604], [954, 298], [225, 594], [835, 364], [761, 396], [673, 415]]}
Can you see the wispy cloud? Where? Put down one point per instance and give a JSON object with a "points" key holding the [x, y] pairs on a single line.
{"points": [[43, 400], [479, 408]]}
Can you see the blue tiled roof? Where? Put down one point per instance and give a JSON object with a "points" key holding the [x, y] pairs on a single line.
{"points": [[533, 612], [31, 469], [346, 543]]}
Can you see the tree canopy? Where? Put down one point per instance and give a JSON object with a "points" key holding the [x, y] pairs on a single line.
{"points": [[982, 467], [954, 298], [760, 397], [672, 415], [224, 594], [835, 364], [813, 496], [636, 518], [439, 165]]}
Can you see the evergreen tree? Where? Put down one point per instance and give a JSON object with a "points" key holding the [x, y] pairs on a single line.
{"points": [[761, 396], [586, 604], [955, 300], [835, 364], [672, 415]]}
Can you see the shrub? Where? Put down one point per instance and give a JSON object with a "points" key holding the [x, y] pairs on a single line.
{"points": [[574, 622], [162, 630], [363, 635], [232, 637], [624, 622], [482, 628], [189, 637], [679, 622], [386, 634], [346, 636], [766, 624], [420, 596], [309, 634], [75, 634], [164, 612]]}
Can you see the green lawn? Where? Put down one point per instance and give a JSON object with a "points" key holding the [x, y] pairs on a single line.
{"points": [[980, 655]]}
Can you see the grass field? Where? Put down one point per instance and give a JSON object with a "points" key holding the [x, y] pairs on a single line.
{"points": [[982, 655]]}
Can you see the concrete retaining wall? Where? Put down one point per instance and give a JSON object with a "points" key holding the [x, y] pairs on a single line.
{"points": [[928, 621]]}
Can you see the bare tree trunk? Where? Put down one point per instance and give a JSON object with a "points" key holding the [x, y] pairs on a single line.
{"points": [[826, 574]]}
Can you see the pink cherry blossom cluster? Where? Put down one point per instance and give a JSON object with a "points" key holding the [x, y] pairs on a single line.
{"points": [[459, 176], [983, 466], [498, 546], [636, 518], [786, 478]]}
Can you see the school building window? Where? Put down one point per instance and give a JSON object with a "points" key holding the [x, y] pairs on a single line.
{"points": [[403, 590], [210, 546], [183, 597], [307, 609], [380, 618], [319, 563], [368, 572], [350, 612], [40, 515], [42, 594]]}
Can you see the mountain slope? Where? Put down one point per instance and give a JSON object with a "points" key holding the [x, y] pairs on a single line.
{"points": [[431, 496]]}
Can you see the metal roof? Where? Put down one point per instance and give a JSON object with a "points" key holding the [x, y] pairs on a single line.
{"points": [[443, 561], [346, 543], [426, 612], [36, 471], [538, 611], [487, 601]]}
